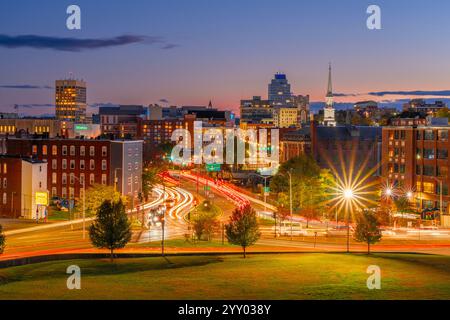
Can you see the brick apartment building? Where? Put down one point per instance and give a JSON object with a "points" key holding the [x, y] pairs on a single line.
{"points": [[74, 161], [157, 132], [21, 182], [415, 159]]}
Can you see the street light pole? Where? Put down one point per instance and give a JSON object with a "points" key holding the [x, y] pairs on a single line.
{"points": [[84, 208], [290, 197], [83, 185]]}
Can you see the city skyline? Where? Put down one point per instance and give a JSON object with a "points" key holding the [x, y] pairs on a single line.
{"points": [[216, 52]]}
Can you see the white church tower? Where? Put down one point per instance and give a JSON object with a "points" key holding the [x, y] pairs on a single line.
{"points": [[328, 114]]}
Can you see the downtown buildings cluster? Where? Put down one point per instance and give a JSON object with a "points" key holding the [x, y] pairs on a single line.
{"points": [[65, 155]]}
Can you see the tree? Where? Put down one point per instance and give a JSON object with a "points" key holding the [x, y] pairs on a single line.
{"points": [[205, 223], [243, 228], [309, 186], [95, 196], [111, 229], [443, 113], [149, 179], [368, 229], [2, 240]]}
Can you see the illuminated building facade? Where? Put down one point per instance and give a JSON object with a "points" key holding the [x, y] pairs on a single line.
{"points": [[416, 160], [23, 185], [70, 100], [74, 161]]}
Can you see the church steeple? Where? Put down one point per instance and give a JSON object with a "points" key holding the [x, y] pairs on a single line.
{"points": [[329, 117], [330, 88]]}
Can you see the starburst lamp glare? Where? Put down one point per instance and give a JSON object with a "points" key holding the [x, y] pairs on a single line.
{"points": [[348, 194]]}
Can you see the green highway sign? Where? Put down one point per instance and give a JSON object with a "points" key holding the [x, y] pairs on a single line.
{"points": [[266, 189], [81, 127], [213, 167]]}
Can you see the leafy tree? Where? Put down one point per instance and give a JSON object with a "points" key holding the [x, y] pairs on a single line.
{"points": [[2, 240], [149, 179], [443, 113], [95, 196], [367, 229], [111, 229], [402, 204], [205, 223], [309, 186], [242, 228]]}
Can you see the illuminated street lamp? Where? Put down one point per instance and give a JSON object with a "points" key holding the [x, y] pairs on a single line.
{"points": [[388, 192], [348, 196]]}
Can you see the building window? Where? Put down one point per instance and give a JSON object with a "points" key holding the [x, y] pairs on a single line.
{"points": [[104, 151], [428, 135], [72, 178], [443, 135], [82, 151], [442, 171], [428, 171], [64, 164], [64, 193], [5, 183], [5, 168], [444, 189], [71, 193], [54, 164], [54, 179], [428, 153], [82, 179], [428, 204], [442, 153], [91, 164], [64, 178], [34, 149], [104, 179], [428, 187], [4, 198], [72, 164], [103, 165], [54, 150], [81, 164], [64, 150], [91, 179], [92, 151], [418, 169], [54, 193], [72, 150], [44, 150]]}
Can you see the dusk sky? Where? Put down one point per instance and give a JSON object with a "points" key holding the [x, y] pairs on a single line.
{"points": [[189, 52]]}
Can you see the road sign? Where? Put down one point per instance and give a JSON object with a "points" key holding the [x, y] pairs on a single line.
{"points": [[207, 188], [266, 189], [213, 167], [42, 198]]}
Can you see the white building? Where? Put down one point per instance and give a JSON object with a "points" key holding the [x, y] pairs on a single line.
{"points": [[329, 118]]}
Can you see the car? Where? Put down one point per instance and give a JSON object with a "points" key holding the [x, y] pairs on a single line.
{"points": [[386, 232]]}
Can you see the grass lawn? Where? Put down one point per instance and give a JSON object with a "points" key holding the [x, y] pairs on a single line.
{"points": [[56, 215], [181, 243], [287, 276]]}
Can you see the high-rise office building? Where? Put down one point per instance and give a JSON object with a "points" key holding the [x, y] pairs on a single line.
{"points": [[70, 100], [280, 91]]}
